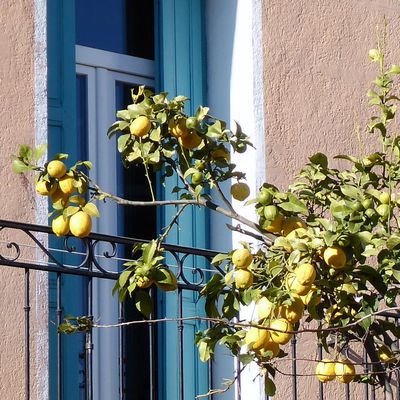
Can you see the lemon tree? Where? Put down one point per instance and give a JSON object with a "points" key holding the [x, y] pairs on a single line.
{"points": [[326, 250]]}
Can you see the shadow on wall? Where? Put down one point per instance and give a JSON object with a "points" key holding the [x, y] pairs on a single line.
{"points": [[220, 32]]}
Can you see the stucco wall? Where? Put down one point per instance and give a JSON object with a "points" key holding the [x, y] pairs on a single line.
{"points": [[316, 75], [17, 198]]}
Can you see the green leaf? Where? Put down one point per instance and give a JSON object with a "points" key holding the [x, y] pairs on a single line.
{"points": [[122, 140], [219, 258], [269, 386], [393, 241], [204, 351], [19, 167], [40, 151], [25, 152], [91, 209], [123, 278], [294, 205], [319, 159], [144, 303], [394, 69], [350, 191], [149, 250]]}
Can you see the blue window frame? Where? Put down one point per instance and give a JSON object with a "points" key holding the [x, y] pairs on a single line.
{"points": [[180, 65]]}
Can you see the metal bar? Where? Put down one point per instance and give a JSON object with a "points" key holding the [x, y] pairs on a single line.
{"points": [[121, 355], [366, 369], [294, 367], [321, 385], [152, 353], [347, 391], [27, 309], [59, 339], [180, 345], [88, 338]]}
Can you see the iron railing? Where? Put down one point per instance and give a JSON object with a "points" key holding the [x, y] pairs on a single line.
{"points": [[100, 257]]}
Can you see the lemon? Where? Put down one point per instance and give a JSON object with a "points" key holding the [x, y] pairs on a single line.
{"points": [[167, 281], [311, 298], [66, 184], [59, 198], [386, 355], [264, 308], [384, 198], [221, 153], [140, 126], [190, 141], [80, 224], [143, 282], [197, 178], [269, 345], [285, 328], [292, 223], [383, 210], [242, 258], [178, 128], [256, 338], [296, 234], [335, 257], [60, 226], [305, 274], [274, 226], [265, 197], [325, 370], [243, 279], [45, 188], [344, 371], [240, 191], [294, 311], [293, 285], [56, 169]]}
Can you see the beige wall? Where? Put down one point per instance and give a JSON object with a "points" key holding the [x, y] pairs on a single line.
{"points": [[16, 195], [316, 75]]}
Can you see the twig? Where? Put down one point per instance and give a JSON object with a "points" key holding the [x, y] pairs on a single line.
{"points": [[171, 224]]}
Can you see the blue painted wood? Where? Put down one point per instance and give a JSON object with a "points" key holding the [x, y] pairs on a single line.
{"points": [[181, 62], [62, 137]]}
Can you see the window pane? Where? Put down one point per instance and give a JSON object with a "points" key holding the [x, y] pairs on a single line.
{"points": [[120, 26], [81, 115]]}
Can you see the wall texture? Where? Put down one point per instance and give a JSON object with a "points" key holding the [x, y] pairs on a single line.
{"points": [[16, 195], [316, 75]]}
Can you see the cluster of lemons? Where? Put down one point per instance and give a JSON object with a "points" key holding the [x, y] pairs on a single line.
{"points": [[59, 185], [343, 370]]}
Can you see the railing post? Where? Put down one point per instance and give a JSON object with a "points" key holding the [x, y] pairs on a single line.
{"points": [[27, 309], [294, 367]]}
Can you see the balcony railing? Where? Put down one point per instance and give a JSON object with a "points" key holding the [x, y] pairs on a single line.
{"points": [[26, 246]]}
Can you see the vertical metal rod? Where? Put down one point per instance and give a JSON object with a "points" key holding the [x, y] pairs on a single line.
{"points": [[366, 370], [89, 341], [321, 385], [180, 345], [27, 309], [121, 355], [294, 368], [151, 351], [59, 339], [347, 391]]}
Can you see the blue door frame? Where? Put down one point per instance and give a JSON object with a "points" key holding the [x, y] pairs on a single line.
{"points": [[181, 70]]}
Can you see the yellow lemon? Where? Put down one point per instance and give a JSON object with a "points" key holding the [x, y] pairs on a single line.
{"points": [[296, 233], [140, 126], [292, 223], [66, 184], [285, 331], [45, 188], [305, 274], [56, 169], [178, 129], [269, 345], [240, 191], [325, 370], [335, 257], [80, 224], [384, 198], [190, 141], [242, 258], [243, 278], [58, 198], [274, 226], [386, 355], [60, 226], [294, 311], [293, 285], [344, 371], [311, 298], [256, 338], [264, 308], [143, 282]]}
